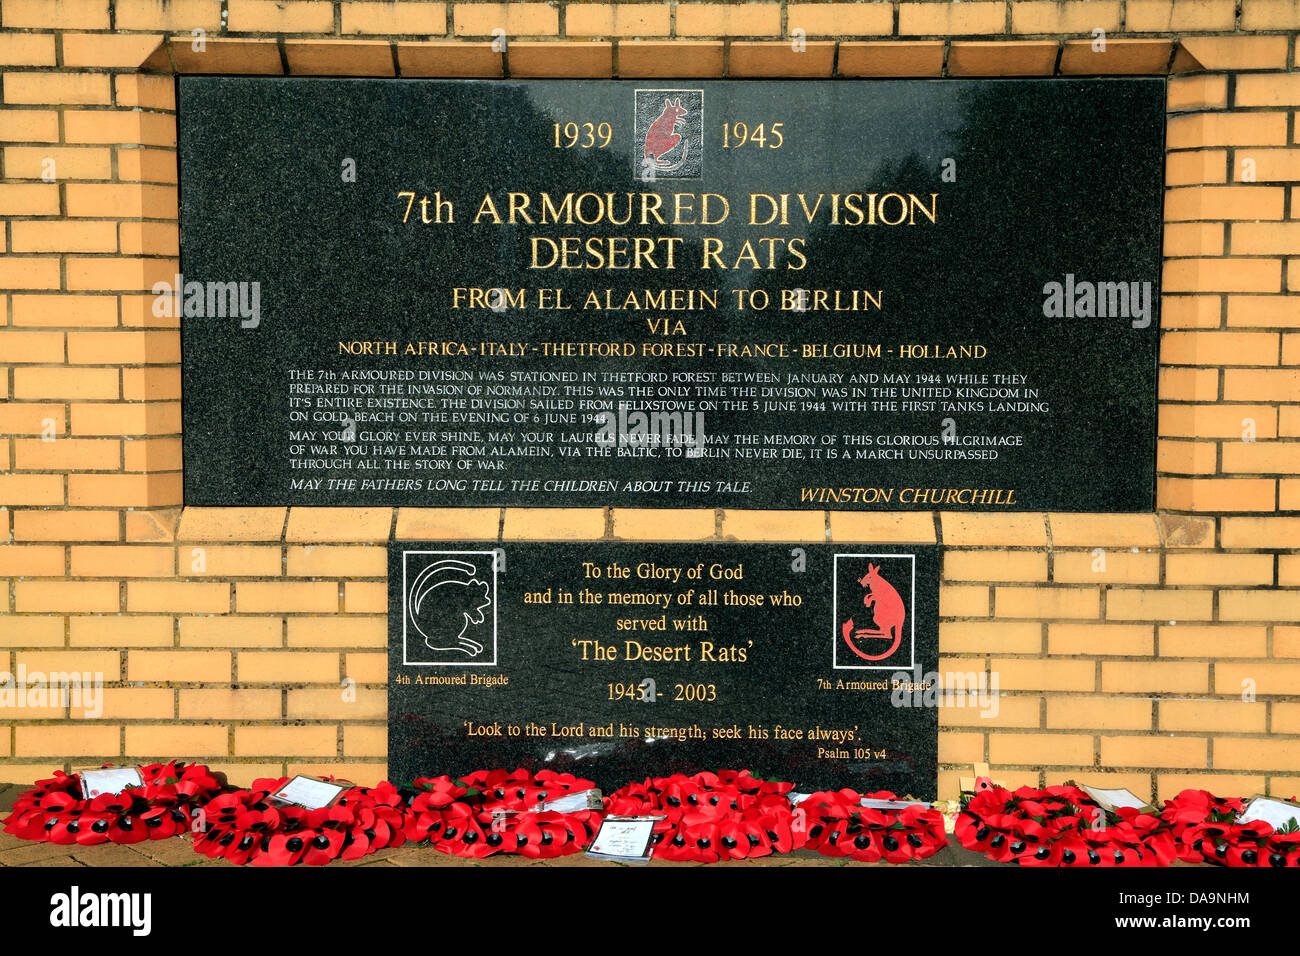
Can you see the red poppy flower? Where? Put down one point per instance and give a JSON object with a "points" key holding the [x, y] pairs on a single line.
{"points": [[224, 841], [27, 824], [268, 785], [424, 825], [741, 837], [1043, 854], [127, 829], [383, 795], [526, 835], [323, 844], [240, 846], [223, 808], [1245, 854], [117, 803], [562, 781], [557, 834], [164, 821], [699, 829], [194, 785], [367, 833], [674, 847], [462, 834], [57, 801], [282, 849], [63, 828], [436, 792]]}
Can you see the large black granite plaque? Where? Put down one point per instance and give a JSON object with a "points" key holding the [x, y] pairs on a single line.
{"points": [[862, 295], [814, 664]]}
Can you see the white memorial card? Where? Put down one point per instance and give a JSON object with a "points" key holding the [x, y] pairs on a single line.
{"points": [[309, 793], [1115, 799], [624, 838], [872, 803], [109, 780], [1276, 813], [573, 802]]}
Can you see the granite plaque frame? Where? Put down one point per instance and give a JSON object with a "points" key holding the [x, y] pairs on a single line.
{"points": [[894, 295], [811, 663]]}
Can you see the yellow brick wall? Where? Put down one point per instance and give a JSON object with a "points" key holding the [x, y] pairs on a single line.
{"points": [[1152, 651]]}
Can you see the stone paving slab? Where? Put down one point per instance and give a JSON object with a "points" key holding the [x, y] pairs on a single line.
{"points": [[29, 853], [174, 852], [58, 861]]}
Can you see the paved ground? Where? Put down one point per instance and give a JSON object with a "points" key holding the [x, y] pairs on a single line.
{"points": [[178, 852]]}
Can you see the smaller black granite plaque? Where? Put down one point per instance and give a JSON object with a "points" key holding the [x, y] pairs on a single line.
{"points": [[812, 663]]}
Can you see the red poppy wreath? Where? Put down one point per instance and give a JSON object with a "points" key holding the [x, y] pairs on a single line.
{"points": [[1057, 826], [492, 811], [839, 825], [165, 805], [247, 827], [705, 817], [729, 815], [1206, 831]]}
